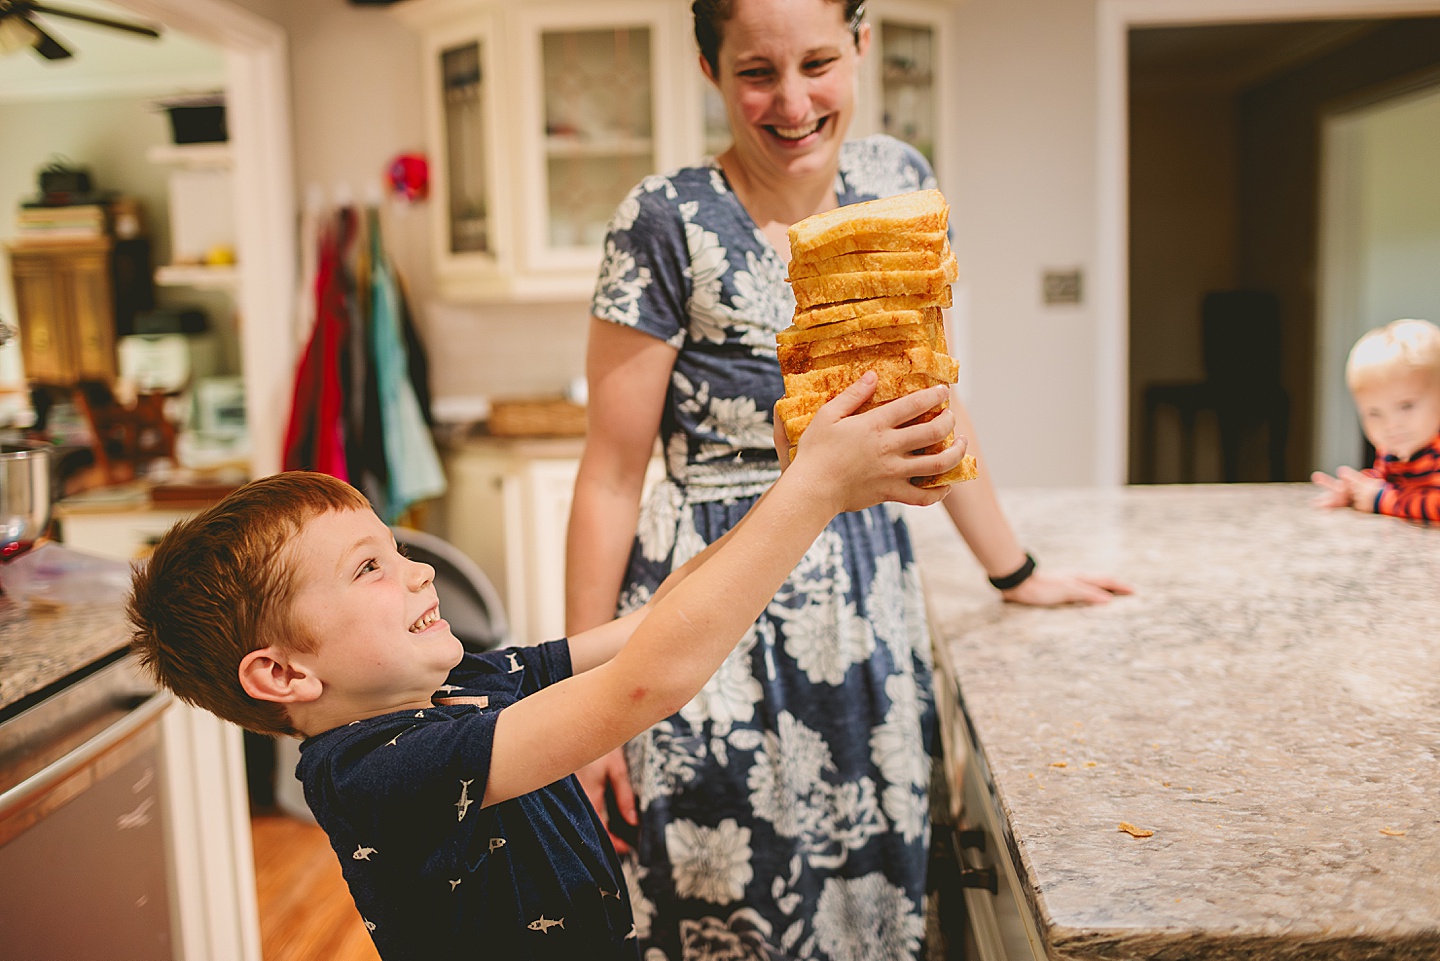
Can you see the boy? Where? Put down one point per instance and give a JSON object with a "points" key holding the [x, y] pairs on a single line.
{"points": [[442, 779], [1394, 375]]}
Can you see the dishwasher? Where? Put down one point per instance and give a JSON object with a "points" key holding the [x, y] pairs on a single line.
{"points": [[83, 860]]}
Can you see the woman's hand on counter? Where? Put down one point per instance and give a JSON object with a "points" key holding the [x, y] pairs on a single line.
{"points": [[1054, 588]]}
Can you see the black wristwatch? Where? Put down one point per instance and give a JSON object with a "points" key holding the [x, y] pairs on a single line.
{"points": [[1011, 581]]}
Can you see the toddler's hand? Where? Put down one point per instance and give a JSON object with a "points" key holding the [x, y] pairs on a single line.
{"points": [[1333, 491], [1363, 488]]}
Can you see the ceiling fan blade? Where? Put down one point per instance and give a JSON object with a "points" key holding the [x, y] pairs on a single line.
{"points": [[46, 45], [50, 11]]}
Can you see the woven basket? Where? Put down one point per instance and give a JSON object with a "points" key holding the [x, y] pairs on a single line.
{"points": [[537, 417]]}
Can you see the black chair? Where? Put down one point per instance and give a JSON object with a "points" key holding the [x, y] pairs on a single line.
{"points": [[468, 601], [1241, 350]]}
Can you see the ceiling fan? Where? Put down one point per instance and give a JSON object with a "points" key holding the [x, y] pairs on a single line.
{"points": [[19, 29]]}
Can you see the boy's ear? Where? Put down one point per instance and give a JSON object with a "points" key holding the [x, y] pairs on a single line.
{"points": [[269, 674]]}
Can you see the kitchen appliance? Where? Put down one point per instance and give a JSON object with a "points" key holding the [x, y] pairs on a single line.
{"points": [[83, 864], [25, 495]]}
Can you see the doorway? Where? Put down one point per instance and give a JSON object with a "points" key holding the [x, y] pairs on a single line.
{"points": [[1225, 164], [1379, 242], [1286, 62]]}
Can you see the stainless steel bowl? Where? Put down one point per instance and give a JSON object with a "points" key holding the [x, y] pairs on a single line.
{"points": [[24, 495]]}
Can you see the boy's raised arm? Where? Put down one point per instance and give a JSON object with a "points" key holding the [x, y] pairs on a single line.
{"points": [[845, 462]]}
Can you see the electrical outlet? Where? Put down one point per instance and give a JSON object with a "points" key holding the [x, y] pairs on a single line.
{"points": [[1061, 286]]}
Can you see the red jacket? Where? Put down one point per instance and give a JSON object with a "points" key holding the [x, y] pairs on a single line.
{"points": [[1412, 487]]}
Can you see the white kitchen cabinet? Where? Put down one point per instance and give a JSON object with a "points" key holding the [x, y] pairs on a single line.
{"points": [[542, 115], [905, 81], [507, 507]]}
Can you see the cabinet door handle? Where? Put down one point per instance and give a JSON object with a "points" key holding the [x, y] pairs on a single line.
{"points": [[971, 838], [980, 878]]}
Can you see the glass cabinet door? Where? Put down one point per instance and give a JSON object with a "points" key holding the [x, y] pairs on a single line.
{"points": [[598, 136], [907, 84], [462, 78]]}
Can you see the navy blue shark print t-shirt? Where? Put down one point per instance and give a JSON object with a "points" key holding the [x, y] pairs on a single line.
{"points": [[436, 875]]}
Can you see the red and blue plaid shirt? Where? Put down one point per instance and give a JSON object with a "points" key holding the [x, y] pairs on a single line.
{"points": [[1412, 487]]}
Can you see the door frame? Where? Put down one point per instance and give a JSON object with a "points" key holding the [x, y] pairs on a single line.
{"points": [[257, 107], [1114, 19]]}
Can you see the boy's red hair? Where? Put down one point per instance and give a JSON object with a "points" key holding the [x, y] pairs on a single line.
{"points": [[218, 586]]}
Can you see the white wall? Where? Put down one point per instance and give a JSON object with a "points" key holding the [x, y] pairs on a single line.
{"points": [[1023, 200]]}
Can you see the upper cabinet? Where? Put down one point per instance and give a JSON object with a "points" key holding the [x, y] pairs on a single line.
{"points": [[904, 89], [542, 115]]}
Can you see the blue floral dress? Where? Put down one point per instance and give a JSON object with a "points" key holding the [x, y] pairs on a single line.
{"points": [[783, 810]]}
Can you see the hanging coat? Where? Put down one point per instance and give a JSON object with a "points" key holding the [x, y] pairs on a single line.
{"points": [[315, 435], [413, 466]]}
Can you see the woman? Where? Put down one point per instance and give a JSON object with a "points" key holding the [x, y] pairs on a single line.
{"points": [[782, 813]]}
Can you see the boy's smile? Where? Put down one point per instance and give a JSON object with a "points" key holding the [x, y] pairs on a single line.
{"points": [[372, 614], [1400, 416]]}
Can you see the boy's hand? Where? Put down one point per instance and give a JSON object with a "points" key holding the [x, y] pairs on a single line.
{"points": [[859, 460]]}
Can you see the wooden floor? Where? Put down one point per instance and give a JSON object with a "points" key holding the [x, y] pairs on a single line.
{"points": [[305, 909]]}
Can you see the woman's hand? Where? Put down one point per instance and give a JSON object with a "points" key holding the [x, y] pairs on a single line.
{"points": [[610, 772], [1043, 589]]}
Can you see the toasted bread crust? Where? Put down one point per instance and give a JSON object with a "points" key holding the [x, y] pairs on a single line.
{"points": [[863, 240], [922, 211], [966, 470], [815, 353], [850, 309], [862, 284], [867, 260], [793, 336]]}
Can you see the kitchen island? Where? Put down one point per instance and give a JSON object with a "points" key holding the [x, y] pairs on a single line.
{"points": [[1264, 712]]}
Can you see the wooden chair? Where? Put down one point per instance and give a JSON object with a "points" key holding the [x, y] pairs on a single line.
{"points": [[1242, 388]]}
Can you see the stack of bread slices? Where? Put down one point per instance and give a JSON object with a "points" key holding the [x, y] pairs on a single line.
{"points": [[870, 281]]}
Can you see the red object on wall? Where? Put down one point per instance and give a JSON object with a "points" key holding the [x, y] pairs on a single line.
{"points": [[409, 176]]}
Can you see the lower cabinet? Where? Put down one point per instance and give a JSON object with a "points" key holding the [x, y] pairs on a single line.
{"points": [[1001, 924], [508, 508]]}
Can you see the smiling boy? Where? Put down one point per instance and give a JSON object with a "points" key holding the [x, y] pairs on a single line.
{"points": [[442, 778], [1394, 376]]}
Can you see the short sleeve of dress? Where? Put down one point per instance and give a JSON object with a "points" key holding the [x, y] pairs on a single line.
{"points": [[644, 278]]}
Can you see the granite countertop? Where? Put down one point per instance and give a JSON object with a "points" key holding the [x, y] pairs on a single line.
{"points": [[1268, 704], [38, 648]]}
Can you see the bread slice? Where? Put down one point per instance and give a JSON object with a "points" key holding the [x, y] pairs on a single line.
{"points": [[868, 260], [922, 211], [794, 336], [867, 240], [966, 470], [850, 309], [888, 364], [864, 284], [914, 329], [796, 424]]}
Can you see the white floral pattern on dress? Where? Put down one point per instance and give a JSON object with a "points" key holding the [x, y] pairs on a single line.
{"points": [[730, 696], [744, 936], [712, 864], [866, 918]]}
